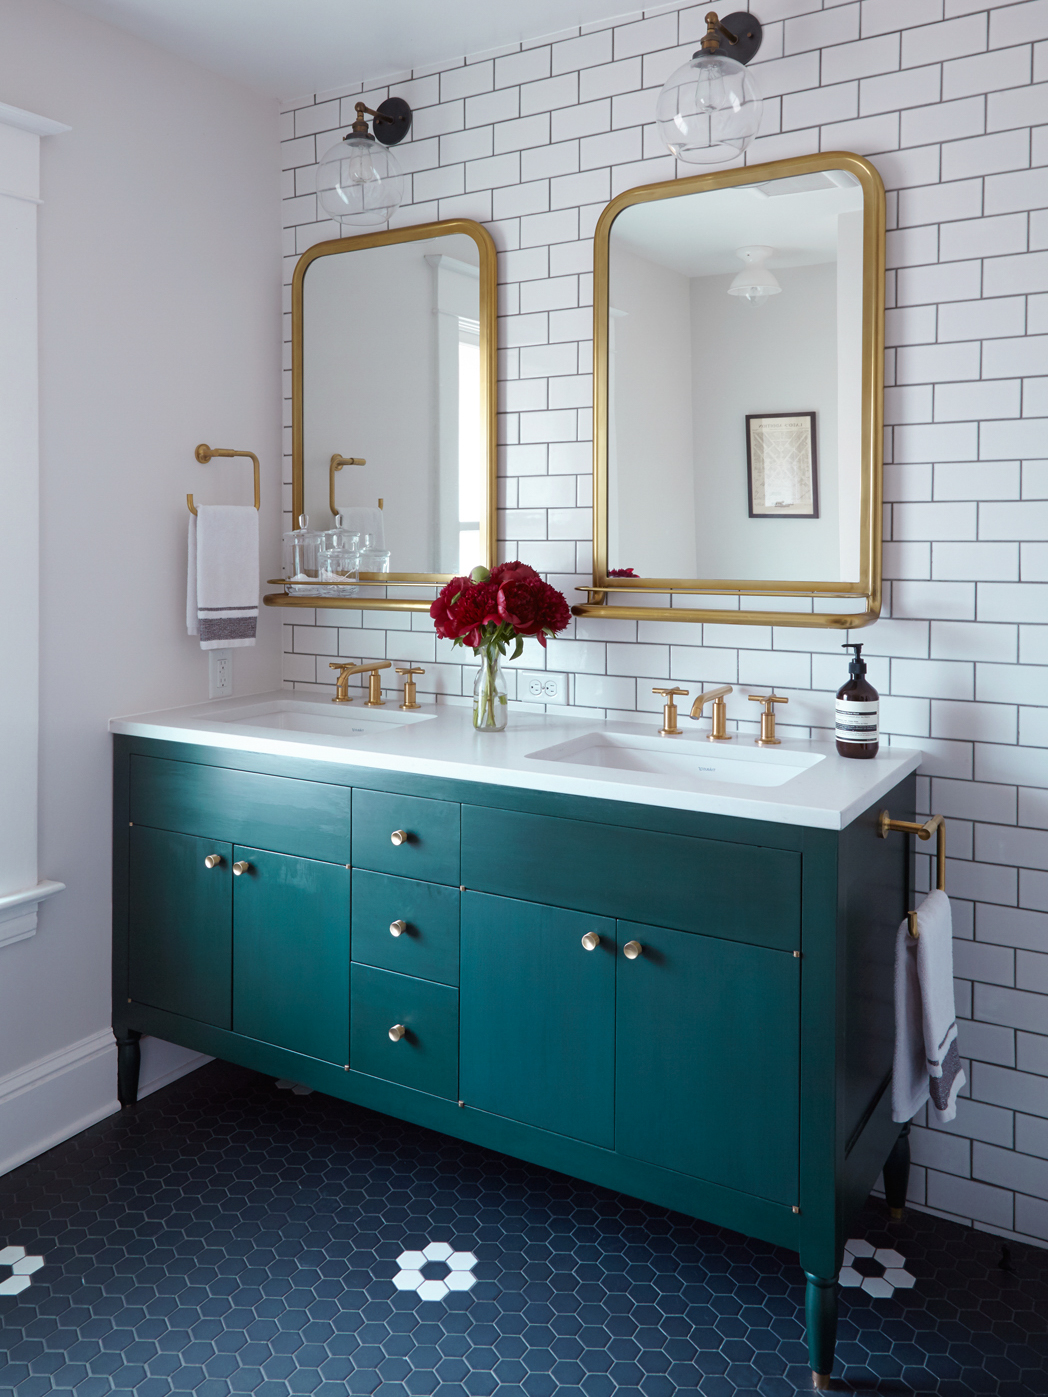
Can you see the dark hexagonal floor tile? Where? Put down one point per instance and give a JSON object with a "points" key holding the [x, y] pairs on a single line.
{"points": [[225, 1237]]}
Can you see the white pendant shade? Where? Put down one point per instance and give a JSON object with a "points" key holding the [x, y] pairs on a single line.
{"points": [[755, 282]]}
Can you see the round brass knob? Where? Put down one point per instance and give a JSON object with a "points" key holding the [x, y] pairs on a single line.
{"points": [[396, 1033], [399, 836], [212, 860], [632, 950], [241, 867], [397, 928], [591, 941]]}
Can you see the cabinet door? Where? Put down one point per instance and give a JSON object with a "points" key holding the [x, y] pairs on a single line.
{"points": [[425, 917], [708, 1059], [537, 1016], [291, 953], [425, 1015], [180, 955]]}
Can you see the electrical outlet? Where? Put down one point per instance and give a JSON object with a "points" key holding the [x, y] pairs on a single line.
{"points": [[538, 686], [220, 674]]}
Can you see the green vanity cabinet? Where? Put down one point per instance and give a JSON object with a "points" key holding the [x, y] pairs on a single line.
{"points": [[538, 1016], [291, 953], [693, 1009], [180, 916], [717, 1023]]}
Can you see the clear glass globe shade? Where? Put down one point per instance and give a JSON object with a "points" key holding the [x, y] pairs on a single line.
{"points": [[709, 110], [359, 183]]}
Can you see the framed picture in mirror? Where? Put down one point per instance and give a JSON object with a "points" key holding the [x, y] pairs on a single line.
{"points": [[781, 472]]}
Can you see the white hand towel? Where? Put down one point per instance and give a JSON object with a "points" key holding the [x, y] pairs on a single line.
{"points": [[927, 1061], [222, 585]]}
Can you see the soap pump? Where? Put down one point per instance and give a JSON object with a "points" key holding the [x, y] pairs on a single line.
{"points": [[858, 711]]}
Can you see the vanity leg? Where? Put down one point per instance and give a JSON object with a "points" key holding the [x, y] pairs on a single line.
{"points": [[128, 1061], [897, 1173], [820, 1311]]}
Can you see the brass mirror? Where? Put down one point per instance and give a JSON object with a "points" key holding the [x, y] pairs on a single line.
{"points": [[393, 406], [738, 382]]}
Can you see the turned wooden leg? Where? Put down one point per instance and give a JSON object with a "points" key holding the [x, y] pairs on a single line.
{"points": [[897, 1173], [128, 1061], [820, 1311]]}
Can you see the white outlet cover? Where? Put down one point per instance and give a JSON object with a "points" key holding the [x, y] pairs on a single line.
{"points": [[541, 686]]}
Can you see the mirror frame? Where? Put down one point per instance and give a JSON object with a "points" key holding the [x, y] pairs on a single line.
{"points": [[868, 587], [488, 407]]}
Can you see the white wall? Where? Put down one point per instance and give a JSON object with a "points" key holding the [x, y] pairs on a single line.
{"points": [[158, 289], [650, 447], [948, 99], [785, 353]]}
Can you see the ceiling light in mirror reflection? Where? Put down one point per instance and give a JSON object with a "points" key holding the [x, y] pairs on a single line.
{"points": [[689, 364], [755, 283]]}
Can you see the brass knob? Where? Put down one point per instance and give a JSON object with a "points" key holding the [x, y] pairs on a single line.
{"points": [[397, 928], [591, 941], [242, 867], [396, 1033], [399, 836], [632, 950], [212, 860]]}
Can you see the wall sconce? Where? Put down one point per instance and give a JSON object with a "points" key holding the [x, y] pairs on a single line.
{"points": [[710, 109], [755, 282], [358, 181]]}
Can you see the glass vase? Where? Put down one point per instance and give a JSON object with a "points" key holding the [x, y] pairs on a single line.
{"points": [[490, 708]]}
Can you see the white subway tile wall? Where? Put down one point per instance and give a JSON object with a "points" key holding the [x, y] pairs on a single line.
{"points": [[950, 102]]}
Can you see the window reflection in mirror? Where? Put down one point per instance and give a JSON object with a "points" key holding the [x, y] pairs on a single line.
{"points": [[734, 363], [392, 373]]}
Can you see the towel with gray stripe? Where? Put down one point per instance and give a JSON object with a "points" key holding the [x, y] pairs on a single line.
{"points": [[927, 1059], [222, 586]]}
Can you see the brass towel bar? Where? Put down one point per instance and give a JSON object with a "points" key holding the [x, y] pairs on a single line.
{"points": [[205, 453], [937, 826]]}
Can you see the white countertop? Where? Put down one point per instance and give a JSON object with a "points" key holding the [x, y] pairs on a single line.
{"points": [[828, 792]]}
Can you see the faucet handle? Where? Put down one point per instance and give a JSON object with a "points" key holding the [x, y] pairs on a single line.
{"points": [[768, 700], [410, 698], [669, 712], [767, 737]]}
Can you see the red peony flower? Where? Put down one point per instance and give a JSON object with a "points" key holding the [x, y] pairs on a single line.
{"points": [[514, 572], [510, 603], [520, 603]]}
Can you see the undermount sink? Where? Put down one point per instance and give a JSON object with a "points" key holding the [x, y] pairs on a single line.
{"points": [[736, 765], [298, 715]]}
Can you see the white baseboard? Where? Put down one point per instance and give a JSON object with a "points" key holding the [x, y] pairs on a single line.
{"points": [[164, 1062], [56, 1097]]}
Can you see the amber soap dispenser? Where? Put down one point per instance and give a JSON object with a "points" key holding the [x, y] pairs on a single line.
{"points": [[858, 711]]}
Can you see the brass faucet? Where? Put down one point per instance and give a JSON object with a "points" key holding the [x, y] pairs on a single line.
{"points": [[342, 695], [669, 712], [767, 737], [718, 732]]}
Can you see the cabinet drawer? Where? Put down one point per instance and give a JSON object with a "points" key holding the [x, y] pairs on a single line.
{"points": [[280, 813], [741, 891], [430, 848], [428, 945], [426, 1056]]}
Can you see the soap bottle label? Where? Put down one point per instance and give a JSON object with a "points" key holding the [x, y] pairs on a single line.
{"points": [[857, 720]]}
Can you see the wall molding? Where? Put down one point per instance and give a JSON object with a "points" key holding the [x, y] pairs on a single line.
{"points": [[18, 911], [56, 1097], [30, 121]]}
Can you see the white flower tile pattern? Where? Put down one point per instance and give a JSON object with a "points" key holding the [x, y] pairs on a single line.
{"points": [[879, 1271], [458, 1266], [22, 1267]]}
